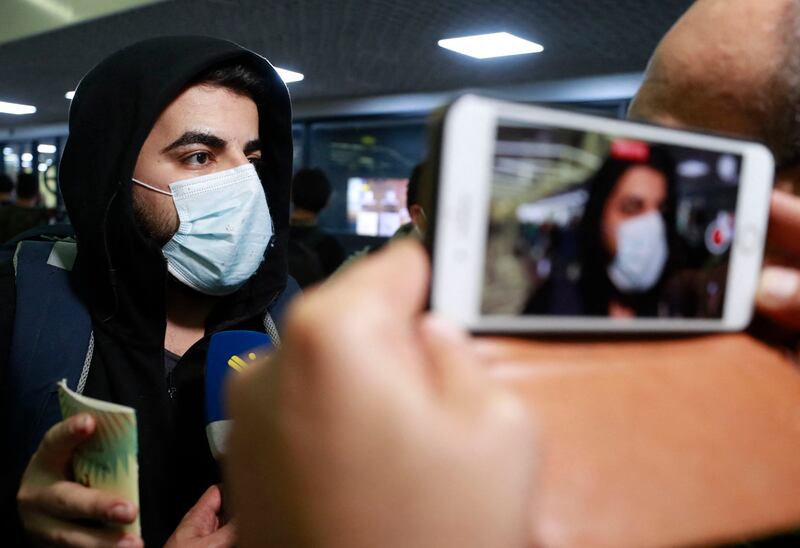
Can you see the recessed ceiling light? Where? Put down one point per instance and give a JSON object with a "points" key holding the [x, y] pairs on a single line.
{"points": [[26, 157], [8, 150], [496, 44], [46, 149], [15, 108], [289, 76], [69, 95], [43, 167]]}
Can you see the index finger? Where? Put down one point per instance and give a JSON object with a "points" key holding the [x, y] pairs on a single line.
{"points": [[784, 222]]}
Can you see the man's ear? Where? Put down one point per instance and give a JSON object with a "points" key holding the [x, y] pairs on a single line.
{"points": [[787, 179]]}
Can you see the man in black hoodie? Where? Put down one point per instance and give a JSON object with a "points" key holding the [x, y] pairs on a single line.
{"points": [[176, 177]]}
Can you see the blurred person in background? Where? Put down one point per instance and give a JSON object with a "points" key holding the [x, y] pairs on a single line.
{"points": [[627, 240], [627, 234], [311, 191], [6, 190], [419, 222], [26, 212]]}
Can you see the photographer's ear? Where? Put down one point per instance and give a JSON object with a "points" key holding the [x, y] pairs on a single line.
{"points": [[787, 179]]}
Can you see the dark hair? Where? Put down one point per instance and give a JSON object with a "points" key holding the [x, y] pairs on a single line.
{"points": [[595, 286], [6, 184], [310, 189], [412, 191], [27, 185], [241, 78]]}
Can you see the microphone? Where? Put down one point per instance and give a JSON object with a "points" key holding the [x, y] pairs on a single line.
{"points": [[228, 352]]}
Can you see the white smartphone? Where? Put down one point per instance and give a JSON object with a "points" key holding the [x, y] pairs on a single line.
{"points": [[554, 221]]}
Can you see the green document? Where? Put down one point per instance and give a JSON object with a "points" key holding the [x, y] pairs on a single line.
{"points": [[108, 460]]}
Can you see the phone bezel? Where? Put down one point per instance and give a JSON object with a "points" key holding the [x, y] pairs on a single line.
{"points": [[458, 246]]}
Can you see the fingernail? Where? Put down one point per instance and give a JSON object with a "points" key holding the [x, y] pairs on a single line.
{"points": [[122, 512], [778, 285], [444, 328], [128, 542], [82, 423]]}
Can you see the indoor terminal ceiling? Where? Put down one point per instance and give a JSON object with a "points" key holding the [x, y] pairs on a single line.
{"points": [[349, 48]]}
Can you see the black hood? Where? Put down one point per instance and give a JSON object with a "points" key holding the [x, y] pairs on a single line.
{"points": [[121, 272]]}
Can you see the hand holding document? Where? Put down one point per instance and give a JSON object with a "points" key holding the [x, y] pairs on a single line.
{"points": [[108, 460]]}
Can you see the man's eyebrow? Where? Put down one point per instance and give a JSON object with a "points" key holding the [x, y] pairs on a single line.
{"points": [[252, 146], [196, 138]]}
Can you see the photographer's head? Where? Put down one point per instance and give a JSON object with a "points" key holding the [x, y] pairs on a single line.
{"points": [[730, 66]]}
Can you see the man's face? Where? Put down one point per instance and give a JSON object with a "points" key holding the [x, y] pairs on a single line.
{"points": [[204, 130]]}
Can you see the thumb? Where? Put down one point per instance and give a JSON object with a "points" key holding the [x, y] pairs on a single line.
{"points": [[224, 537], [201, 519], [453, 363], [60, 442], [778, 295]]}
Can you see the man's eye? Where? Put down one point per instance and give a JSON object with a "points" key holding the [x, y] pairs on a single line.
{"points": [[198, 158], [255, 160]]}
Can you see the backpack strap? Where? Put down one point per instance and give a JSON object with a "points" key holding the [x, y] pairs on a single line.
{"points": [[52, 332], [276, 312]]}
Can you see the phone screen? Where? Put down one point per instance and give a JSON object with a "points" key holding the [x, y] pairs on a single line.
{"points": [[592, 224]]}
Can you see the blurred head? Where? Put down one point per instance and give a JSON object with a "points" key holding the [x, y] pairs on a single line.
{"points": [[630, 198], [6, 185], [412, 200], [211, 126], [639, 190], [311, 190], [27, 187], [731, 66]]}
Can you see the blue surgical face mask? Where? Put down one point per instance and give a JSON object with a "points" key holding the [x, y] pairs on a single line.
{"points": [[225, 228]]}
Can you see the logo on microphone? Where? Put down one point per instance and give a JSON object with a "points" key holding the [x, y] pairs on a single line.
{"points": [[237, 363]]}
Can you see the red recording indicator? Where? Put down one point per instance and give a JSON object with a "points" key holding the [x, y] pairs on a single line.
{"points": [[719, 234], [632, 151]]}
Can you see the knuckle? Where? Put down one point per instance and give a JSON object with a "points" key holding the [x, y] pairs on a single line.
{"points": [[26, 499], [304, 319], [60, 499], [60, 537], [511, 413]]}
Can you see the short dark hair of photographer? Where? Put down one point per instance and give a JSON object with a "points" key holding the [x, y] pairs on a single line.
{"points": [[311, 189], [6, 184], [27, 186]]}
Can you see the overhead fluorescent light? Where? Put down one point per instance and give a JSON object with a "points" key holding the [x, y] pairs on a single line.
{"points": [[43, 167], [8, 150], [16, 108], [496, 44], [289, 76], [46, 149], [27, 157], [69, 95]]}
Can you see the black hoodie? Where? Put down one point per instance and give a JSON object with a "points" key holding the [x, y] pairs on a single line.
{"points": [[122, 276]]}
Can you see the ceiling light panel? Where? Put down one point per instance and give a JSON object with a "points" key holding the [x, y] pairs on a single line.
{"points": [[487, 46]]}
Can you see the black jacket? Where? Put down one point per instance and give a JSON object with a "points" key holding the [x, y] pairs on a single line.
{"points": [[121, 275]]}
